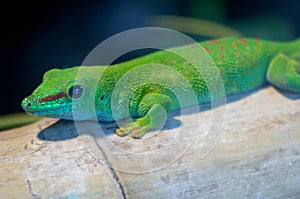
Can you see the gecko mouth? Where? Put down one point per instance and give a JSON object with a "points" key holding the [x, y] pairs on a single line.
{"points": [[55, 113], [46, 109]]}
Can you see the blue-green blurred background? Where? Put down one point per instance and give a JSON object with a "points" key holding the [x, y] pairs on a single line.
{"points": [[46, 34]]}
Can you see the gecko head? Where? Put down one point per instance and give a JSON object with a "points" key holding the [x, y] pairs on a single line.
{"points": [[63, 93]]}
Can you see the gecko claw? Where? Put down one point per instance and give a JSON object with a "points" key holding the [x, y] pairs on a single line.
{"points": [[121, 133]]}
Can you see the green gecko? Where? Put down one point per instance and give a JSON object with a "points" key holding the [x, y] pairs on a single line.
{"points": [[244, 64]]}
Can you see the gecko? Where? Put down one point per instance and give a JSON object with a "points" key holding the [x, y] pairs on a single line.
{"points": [[244, 64]]}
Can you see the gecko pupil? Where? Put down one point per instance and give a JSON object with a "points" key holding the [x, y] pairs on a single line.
{"points": [[102, 98], [75, 91]]}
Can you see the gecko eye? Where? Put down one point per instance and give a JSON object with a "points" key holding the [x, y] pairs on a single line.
{"points": [[75, 91]]}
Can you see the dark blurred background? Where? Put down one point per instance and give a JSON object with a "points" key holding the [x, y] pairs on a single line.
{"points": [[46, 34]]}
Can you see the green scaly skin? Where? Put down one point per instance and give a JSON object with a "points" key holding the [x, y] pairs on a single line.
{"points": [[244, 64]]}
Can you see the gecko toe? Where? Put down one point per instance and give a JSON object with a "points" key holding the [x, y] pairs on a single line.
{"points": [[139, 133], [121, 133], [127, 129]]}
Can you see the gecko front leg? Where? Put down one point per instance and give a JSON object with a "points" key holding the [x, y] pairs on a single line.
{"points": [[155, 108]]}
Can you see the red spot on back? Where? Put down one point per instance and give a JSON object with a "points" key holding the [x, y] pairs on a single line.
{"points": [[257, 40], [53, 97], [215, 42], [235, 44], [244, 41], [192, 46], [207, 49], [221, 55], [222, 48]]}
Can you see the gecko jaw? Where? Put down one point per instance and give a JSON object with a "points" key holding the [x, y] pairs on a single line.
{"points": [[59, 109]]}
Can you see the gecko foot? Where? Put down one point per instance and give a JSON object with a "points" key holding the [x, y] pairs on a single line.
{"points": [[137, 129], [154, 119]]}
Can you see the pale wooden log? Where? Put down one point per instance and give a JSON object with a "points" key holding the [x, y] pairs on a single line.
{"points": [[257, 155]]}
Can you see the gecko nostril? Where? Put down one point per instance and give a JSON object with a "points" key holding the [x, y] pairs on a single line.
{"points": [[28, 104]]}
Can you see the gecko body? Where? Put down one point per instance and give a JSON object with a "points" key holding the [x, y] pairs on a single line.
{"points": [[244, 64]]}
